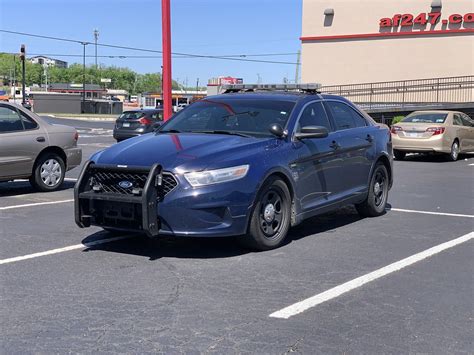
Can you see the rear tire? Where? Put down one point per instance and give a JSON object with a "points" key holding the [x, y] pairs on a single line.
{"points": [[270, 220], [399, 155], [48, 172], [376, 200], [454, 154]]}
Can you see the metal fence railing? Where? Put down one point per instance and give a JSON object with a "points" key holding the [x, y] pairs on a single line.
{"points": [[407, 93]]}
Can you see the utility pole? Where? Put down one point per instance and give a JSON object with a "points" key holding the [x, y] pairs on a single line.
{"points": [[23, 70], [197, 85], [84, 44], [298, 63], [14, 78], [96, 37], [166, 39]]}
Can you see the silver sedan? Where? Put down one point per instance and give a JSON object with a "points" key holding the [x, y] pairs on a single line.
{"points": [[31, 148]]}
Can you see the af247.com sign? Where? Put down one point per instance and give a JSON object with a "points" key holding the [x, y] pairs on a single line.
{"points": [[424, 18]]}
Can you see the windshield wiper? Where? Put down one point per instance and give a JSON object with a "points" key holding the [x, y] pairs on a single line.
{"points": [[232, 133], [250, 113]]}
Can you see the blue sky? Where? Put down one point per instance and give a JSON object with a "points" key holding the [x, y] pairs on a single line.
{"points": [[214, 27]]}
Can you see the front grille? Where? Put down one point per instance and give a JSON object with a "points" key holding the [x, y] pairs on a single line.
{"points": [[108, 181]]}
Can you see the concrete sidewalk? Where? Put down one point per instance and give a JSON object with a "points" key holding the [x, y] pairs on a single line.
{"points": [[84, 117]]}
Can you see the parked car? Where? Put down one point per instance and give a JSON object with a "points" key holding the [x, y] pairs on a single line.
{"points": [[180, 107], [31, 148], [240, 164], [447, 132], [137, 122]]}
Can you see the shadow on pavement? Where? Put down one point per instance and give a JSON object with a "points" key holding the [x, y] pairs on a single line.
{"points": [[212, 248], [434, 158], [14, 188]]}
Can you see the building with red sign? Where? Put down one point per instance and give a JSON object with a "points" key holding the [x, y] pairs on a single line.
{"points": [[370, 41]]}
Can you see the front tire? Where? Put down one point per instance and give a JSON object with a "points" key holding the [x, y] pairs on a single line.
{"points": [[376, 200], [270, 220], [454, 154], [48, 172]]}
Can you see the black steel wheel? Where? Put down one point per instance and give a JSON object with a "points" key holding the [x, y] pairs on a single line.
{"points": [[270, 220], [374, 204]]}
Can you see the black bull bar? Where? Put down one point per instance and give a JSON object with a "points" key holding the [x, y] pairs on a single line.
{"points": [[137, 212]]}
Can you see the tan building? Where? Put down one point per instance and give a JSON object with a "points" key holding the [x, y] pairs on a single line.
{"points": [[349, 41]]}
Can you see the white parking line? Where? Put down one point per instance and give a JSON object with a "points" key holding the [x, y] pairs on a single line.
{"points": [[433, 213], [62, 250], [34, 204], [334, 292]]}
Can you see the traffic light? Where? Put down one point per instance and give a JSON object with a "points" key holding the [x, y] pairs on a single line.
{"points": [[22, 52]]}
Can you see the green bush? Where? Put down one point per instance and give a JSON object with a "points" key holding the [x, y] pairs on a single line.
{"points": [[397, 119]]}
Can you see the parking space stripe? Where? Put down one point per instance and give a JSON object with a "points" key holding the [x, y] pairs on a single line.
{"points": [[34, 204], [433, 213], [337, 291], [62, 250]]}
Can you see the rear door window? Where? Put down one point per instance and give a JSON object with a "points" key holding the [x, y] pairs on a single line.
{"points": [[10, 120], [457, 120], [467, 121], [345, 117], [313, 115]]}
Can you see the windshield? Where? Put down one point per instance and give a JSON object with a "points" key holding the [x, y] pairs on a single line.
{"points": [[426, 118], [245, 117]]}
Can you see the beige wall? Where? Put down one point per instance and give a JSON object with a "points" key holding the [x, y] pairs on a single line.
{"points": [[347, 61]]}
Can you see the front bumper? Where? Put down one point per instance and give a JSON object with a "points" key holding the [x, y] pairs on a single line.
{"points": [[214, 211]]}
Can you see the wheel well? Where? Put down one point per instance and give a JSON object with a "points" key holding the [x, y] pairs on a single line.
{"points": [[54, 150], [384, 160]]}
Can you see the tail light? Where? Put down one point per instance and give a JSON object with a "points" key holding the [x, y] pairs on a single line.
{"points": [[76, 136], [435, 130], [396, 129], [144, 121]]}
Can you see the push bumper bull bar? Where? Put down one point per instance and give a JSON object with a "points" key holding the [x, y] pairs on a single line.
{"points": [[136, 212]]}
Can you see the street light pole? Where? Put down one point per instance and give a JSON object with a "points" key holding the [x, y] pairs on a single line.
{"points": [[166, 78], [23, 70], [96, 37]]}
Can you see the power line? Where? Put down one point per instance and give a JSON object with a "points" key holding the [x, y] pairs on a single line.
{"points": [[191, 55], [120, 56]]}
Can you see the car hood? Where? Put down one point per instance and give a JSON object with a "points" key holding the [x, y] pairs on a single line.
{"points": [[181, 152]]}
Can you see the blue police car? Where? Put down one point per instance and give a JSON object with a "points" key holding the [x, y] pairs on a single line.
{"points": [[247, 163]]}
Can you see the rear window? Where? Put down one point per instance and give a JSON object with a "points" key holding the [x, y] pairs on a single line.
{"points": [[426, 118], [131, 115]]}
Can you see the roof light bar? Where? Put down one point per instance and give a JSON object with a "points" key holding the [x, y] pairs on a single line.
{"points": [[288, 87]]}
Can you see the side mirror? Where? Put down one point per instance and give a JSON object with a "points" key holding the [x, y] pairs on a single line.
{"points": [[276, 130], [312, 132]]}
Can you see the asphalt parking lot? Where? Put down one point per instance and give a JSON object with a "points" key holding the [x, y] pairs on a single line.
{"points": [[352, 285]]}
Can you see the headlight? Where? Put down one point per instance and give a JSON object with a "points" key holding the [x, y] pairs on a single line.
{"points": [[209, 177]]}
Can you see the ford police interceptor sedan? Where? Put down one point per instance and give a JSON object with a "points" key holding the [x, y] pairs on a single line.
{"points": [[247, 164]]}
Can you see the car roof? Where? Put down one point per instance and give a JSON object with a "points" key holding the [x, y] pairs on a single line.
{"points": [[434, 111], [293, 96]]}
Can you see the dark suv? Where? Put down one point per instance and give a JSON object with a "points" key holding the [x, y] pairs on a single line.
{"points": [[247, 164], [137, 122]]}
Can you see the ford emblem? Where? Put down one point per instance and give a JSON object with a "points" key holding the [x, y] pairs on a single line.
{"points": [[125, 184]]}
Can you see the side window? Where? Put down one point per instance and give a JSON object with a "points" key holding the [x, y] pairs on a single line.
{"points": [[467, 121], [457, 120], [345, 116], [314, 115], [10, 121], [28, 123]]}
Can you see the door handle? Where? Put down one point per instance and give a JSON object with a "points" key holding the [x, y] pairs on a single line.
{"points": [[40, 139], [334, 145], [369, 138]]}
